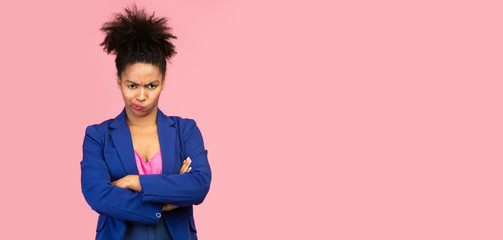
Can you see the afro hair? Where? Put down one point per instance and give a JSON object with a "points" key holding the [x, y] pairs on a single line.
{"points": [[135, 36]]}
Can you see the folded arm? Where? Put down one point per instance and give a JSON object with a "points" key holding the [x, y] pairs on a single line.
{"points": [[133, 182], [102, 195], [182, 189]]}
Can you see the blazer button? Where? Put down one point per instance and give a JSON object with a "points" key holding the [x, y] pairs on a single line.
{"points": [[158, 215]]}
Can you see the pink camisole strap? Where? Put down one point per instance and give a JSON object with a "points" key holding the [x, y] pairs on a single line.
{"points": [[153, 166]]}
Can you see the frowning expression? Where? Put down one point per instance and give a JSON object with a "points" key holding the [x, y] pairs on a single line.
{"points": [[141, 85]]}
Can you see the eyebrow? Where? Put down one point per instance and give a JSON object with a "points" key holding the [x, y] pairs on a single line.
{"points": [[156, 81]]}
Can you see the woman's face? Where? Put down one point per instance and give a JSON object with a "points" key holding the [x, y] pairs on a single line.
{"points": [[141, 85]]}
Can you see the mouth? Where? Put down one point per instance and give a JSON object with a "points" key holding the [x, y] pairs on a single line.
{"points": [[137, 106]]}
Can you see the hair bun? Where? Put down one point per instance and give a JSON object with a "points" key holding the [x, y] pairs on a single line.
{"points": [[136, 32]]}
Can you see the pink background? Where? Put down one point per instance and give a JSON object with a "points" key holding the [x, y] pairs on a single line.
{"points": [[322, 119]]}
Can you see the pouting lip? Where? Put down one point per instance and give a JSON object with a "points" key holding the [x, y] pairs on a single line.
{"points": [[137, 105]]}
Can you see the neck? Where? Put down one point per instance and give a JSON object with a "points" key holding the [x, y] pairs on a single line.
{"points": [[148, 120]]}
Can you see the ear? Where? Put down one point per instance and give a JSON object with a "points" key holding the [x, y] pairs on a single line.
{"points": [[163, 82], [118, 82]]}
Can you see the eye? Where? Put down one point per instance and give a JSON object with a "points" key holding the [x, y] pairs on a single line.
{"points": [[131, 86], [152, 86]]}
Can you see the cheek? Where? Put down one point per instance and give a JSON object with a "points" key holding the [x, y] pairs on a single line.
{"points": [[127, 94], [156, 94]]}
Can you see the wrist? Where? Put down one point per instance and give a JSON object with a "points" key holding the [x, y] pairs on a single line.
{"points": [[134, 183]]}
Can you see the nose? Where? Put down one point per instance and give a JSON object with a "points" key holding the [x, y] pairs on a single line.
{"points": [[141, 95]]}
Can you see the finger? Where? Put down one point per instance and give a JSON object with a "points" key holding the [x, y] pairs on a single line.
{"points": [[189, 169], [184, 167], [185, 170], [187, 162], [171, 207]]}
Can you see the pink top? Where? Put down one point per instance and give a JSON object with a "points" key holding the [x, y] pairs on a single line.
{"points": [[153, 166]]}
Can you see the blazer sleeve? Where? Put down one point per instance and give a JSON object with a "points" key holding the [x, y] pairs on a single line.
{"points": [[182, 189], [102, 196]]}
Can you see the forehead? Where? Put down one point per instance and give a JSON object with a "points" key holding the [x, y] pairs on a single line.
{"points": [[141, 72]]}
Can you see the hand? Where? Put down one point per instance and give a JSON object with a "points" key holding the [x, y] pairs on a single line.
{"points": [[185, 166], [168, 207], [130, 181]]}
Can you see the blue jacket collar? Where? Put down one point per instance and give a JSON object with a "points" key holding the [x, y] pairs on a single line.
{"points": [[121, 137]]}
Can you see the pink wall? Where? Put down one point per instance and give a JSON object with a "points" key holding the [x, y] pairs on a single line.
{"points": [[322, 120]]}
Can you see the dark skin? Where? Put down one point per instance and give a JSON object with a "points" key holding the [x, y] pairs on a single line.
{"points": [[141, 85]]}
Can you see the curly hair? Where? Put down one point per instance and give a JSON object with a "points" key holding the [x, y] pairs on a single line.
{"points": [[135, 36]]}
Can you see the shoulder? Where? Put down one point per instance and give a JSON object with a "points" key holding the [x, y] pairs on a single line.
{"points": [[185, 125], [101, 126], [98, 130], [188, 131], [182, 121]]}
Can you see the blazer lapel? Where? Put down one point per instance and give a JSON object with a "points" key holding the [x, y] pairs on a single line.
{"points": [[121, 137], [167, 139]]}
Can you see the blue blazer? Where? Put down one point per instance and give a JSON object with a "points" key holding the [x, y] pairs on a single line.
{"points": [[108, 155]]}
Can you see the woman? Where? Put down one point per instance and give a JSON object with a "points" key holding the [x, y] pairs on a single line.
{"points": [[142, 171]]}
